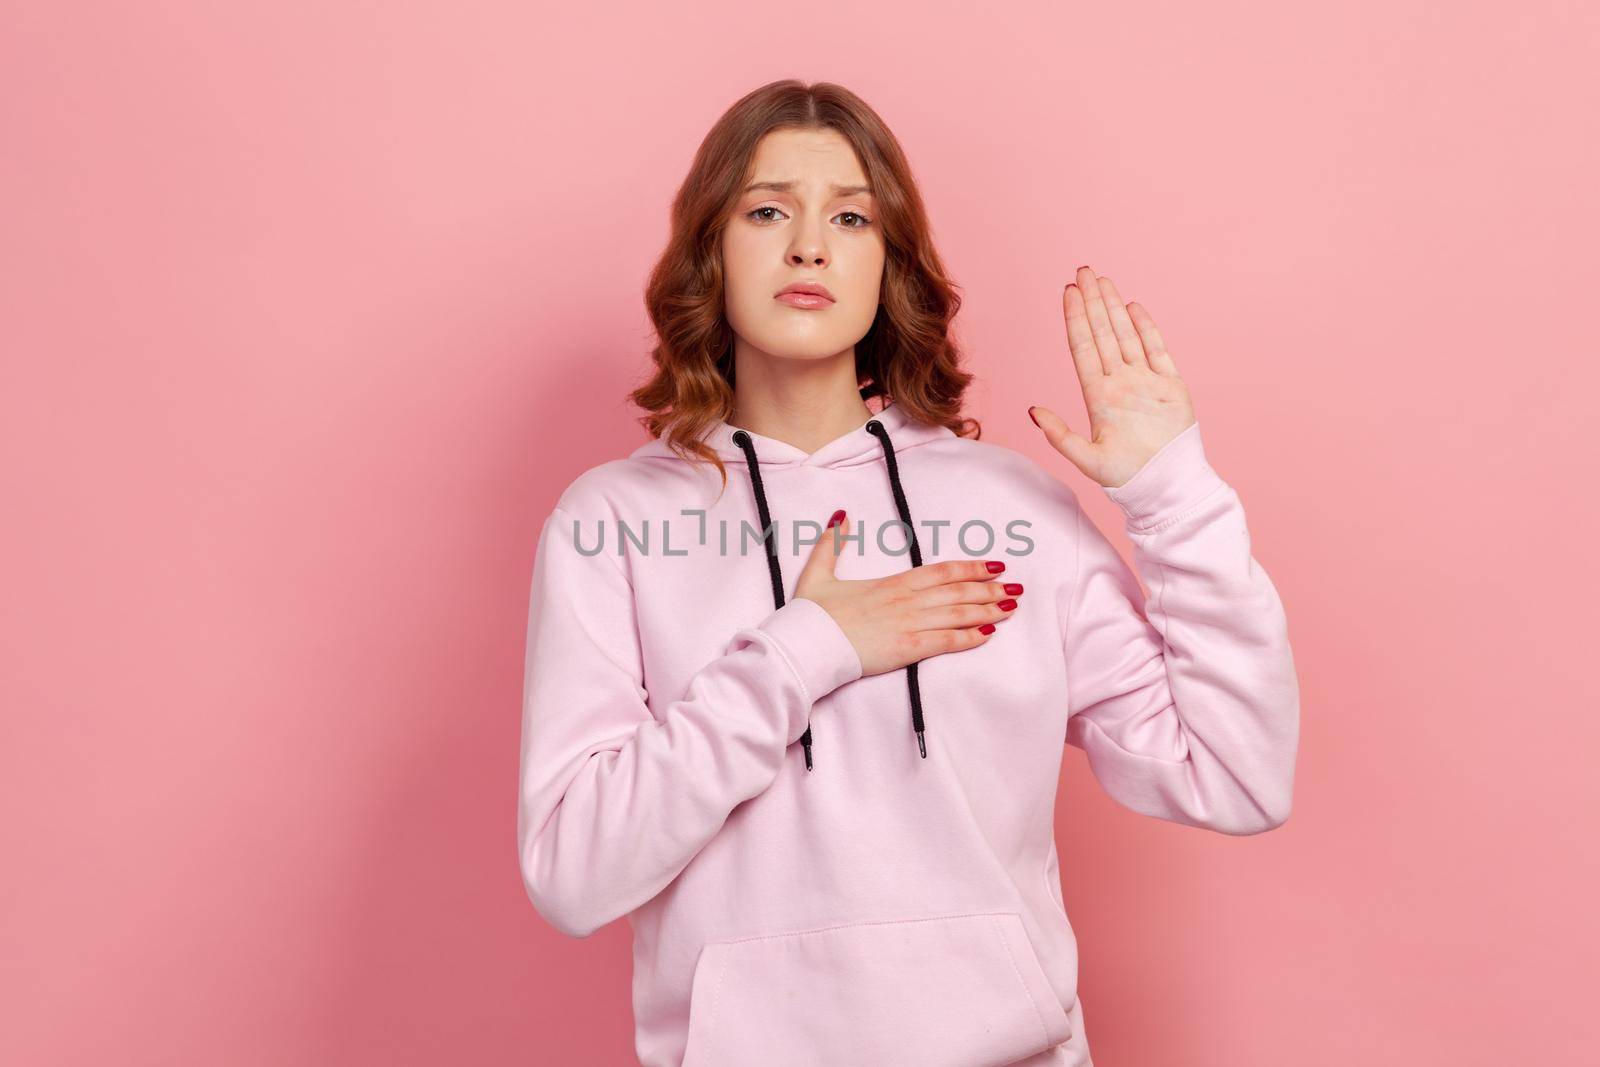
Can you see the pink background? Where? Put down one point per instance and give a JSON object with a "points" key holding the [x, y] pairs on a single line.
{"points": [[310, 310]]}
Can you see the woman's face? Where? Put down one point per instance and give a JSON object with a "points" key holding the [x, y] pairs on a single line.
{"points": [[805, 217]]}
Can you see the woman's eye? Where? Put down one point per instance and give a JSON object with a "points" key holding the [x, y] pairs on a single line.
{"points": [[862, 221]]}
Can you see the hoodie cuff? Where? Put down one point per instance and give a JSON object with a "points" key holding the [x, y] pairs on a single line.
{"points": [[1170, 481], [815, 648]]}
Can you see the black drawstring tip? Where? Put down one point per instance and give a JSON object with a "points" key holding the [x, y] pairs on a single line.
{"points": [[922, 745], [807, 747]]}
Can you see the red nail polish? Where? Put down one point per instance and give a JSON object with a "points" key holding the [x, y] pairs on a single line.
{"points": [[995, 566], [1034, 417], [1008, 605], [838, 517], [1014, 588], [987, 628]]}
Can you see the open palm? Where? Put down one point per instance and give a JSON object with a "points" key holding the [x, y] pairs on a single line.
{"points": [[1131, 389]]}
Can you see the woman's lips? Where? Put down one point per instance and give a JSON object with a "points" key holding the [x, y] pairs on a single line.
{"points": [[805, 300]]}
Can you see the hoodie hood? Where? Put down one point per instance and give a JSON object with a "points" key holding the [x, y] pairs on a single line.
{"points": [[858, 446]]}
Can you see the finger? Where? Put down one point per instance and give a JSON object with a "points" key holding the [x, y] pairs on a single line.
{"points": [[1062, 438], [1155, 349], [1080, 336], [928, 643], [959, 616], [1122, 325], [965, 593], [956, 570], [824, 558], [1105, 338]]}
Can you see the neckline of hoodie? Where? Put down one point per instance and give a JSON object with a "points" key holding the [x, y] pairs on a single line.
{"points": [[855, 445], [854, 448]]}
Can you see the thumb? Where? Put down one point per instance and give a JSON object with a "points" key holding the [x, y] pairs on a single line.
{"points": [[1062, 438], [825, 553]]}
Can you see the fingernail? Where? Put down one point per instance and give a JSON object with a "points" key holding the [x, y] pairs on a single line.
{"points": [[995, 566], [1008, 605], [987, 628], [1014, 588], [838, 517], [1034, 417]]}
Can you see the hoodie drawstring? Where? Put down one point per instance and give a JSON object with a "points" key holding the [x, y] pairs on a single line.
{"points": [[775, 572], [877, 428]]}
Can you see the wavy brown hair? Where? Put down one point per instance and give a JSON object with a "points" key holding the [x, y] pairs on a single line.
{"points": [[908, 355]]}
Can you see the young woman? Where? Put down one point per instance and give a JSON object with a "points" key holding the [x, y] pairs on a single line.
{"points": [[928, 616]]}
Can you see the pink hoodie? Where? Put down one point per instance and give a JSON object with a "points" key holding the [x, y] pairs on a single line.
{"points": [[883, 907]]}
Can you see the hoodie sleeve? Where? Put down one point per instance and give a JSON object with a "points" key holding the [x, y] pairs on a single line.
{"points": [[615, 799], [1187, 708]]}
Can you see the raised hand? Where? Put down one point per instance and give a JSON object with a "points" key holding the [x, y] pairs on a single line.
{"points": [[1131, 389]]}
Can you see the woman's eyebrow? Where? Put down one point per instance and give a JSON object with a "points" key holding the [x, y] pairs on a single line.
{"points": [[787, 186]]}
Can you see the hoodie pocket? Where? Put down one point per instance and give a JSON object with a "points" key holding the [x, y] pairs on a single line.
{"points": [[949, 991]]}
